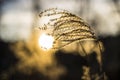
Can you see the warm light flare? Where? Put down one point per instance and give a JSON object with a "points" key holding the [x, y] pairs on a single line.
{"points": [[46, 41]]}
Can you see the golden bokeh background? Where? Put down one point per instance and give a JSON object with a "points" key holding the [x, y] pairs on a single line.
{"points": [[21, 57]]}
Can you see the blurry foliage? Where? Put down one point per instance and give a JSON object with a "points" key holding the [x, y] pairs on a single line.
{"points": [[23, 59]]}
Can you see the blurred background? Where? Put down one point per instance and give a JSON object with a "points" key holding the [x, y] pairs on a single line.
{"points": [[20, 56]]}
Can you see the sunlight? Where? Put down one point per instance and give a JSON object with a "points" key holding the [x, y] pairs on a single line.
{"points": [[46, 41]]}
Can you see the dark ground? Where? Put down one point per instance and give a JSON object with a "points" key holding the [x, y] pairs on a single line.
{"points": [[73, 63]]}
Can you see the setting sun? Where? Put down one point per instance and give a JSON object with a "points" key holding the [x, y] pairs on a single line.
{"points": [[46, 41]]}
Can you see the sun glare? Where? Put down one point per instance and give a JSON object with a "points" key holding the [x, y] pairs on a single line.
{"points": [[46, 41]]}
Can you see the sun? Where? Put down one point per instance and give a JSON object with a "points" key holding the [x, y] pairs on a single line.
{"points": [[46, 41]]}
